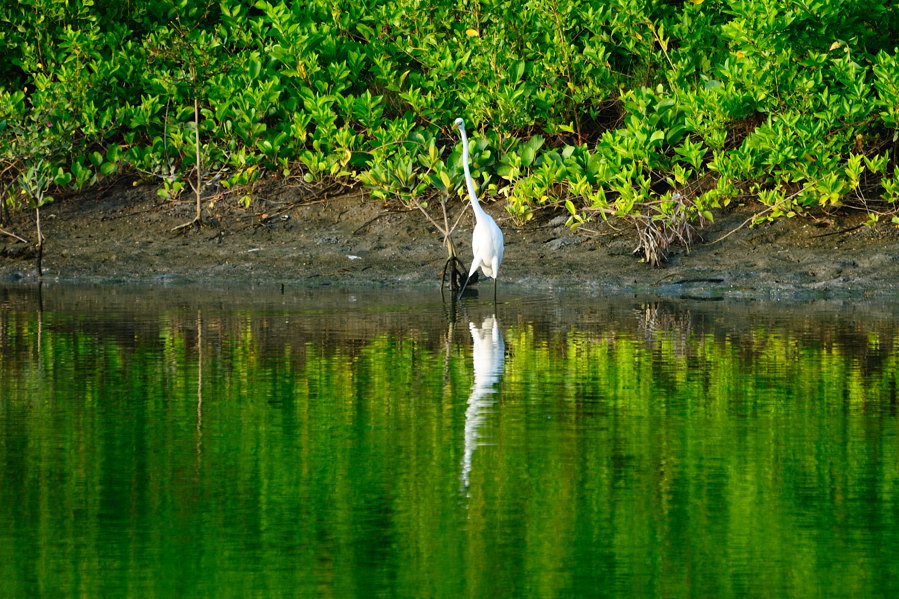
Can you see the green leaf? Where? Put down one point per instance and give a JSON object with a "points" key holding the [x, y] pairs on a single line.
{"points": [[664, 105], [527, 155], [254, 68], [62, 178], [518, 70], [536, 142]]}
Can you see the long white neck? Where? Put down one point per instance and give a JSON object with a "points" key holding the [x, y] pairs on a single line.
{"points": [[469, 183]]}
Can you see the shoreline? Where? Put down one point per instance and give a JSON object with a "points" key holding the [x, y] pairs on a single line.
{"points": [[124, 235]]}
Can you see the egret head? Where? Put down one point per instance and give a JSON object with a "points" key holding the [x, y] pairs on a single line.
{"points": [[459, 124]]}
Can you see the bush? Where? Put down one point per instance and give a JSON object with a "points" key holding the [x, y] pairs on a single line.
{"points": [[649, 111]]}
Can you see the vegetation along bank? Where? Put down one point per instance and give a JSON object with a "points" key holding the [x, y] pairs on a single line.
{"points": [[654, 116]]}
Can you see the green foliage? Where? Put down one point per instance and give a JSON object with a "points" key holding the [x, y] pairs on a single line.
{"points": [[34, 183], [654, 112]]}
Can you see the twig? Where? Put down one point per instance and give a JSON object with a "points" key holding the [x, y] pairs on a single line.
{"points": [[729, 233], [431, 220], [131, 214], [840, 232], [663, 45], [370, 221], [199, 189], [458, 219], [187, 225], [40, 243], [743, 224], [13, 235]]}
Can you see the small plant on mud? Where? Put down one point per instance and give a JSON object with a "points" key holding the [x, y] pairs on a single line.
{"points": [[453, 268], [439, 182], [34, 183]]}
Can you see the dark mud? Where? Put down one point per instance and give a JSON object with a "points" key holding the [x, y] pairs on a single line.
{"points": [[125, 234]]}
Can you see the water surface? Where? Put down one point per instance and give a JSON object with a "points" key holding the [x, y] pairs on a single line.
{"points": [[191, 442]]}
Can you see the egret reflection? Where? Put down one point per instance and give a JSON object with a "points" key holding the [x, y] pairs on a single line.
{"points": [[489, 357]]}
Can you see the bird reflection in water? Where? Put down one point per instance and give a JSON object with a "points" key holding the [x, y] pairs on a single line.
{"points": [[489, 357]]}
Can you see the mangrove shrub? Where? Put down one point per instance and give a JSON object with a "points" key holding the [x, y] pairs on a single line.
{"points": [[657, 112]]}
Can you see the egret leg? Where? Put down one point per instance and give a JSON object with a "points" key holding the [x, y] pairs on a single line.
{"points": [[463, 287], [494, 290]]}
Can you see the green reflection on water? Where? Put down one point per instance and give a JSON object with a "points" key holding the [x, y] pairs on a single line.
{"points": [[234, 449]]}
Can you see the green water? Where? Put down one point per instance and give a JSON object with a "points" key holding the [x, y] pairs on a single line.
{"points": [[177, 442]]}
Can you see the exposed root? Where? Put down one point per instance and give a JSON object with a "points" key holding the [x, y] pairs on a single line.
{"points": [[656, 237], [453, 268], [657, 234]]}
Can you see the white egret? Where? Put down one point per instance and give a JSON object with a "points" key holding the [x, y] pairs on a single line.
{"points": [[487, 239]]}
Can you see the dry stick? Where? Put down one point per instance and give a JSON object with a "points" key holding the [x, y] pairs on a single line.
{"points": [[731, 232], [446, 231], [322, 197], [447, 239], [40, 243], [197, 142], [453, 258], [370, 221], [663, 45], [13, 235], [458, 218], [768, 209], [198, 221], [445, 218], [428, 216], [456, 224], [840, 232]]}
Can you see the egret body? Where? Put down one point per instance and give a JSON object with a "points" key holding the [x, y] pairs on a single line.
{"points": [[487, 239]]}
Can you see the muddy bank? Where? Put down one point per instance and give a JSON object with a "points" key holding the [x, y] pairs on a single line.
{"points": [[125, 234]]}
